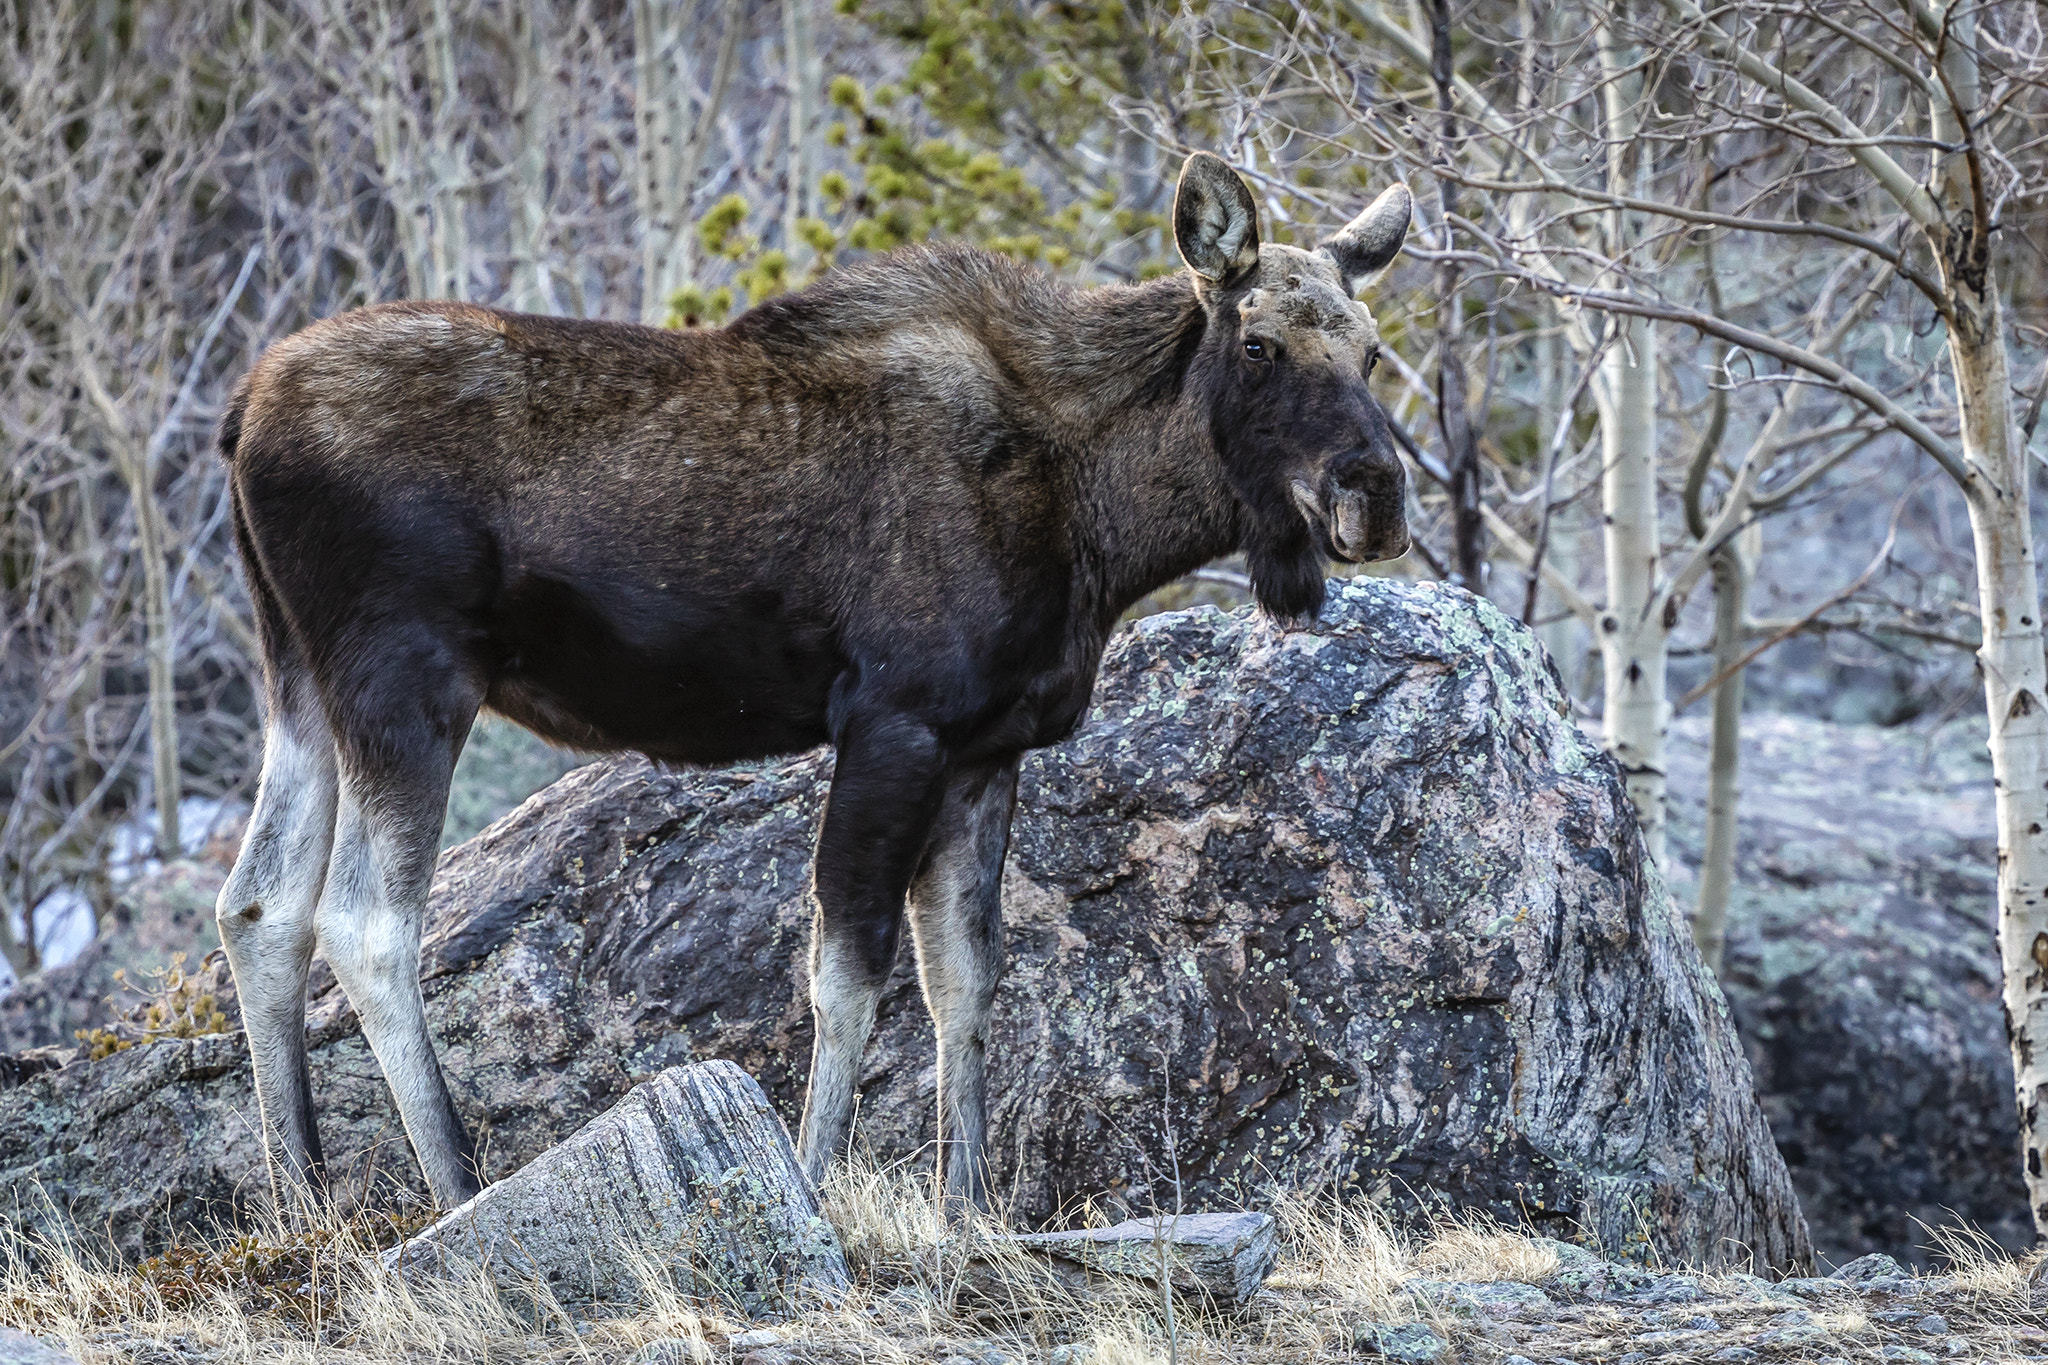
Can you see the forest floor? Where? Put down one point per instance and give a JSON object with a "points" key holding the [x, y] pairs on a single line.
{"points": [[1347, 1287]]}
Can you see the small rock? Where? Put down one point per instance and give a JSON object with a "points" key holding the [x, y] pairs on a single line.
{"points": [[1495, 1298], [747, 1341], [1912, 1355], [19, 1348], [1631, 1357], [1669, 1289], [1518, 1360], [1934, 1324], [692, 1168], [1737, 1353], [1569, 1255], [1226, 1255], [1799, 1334], [1411, 1343], [1809, 1288], [1071, 1355], [1703, 1323], [671, 1351], [1866, 1268], [1796, 1317]]}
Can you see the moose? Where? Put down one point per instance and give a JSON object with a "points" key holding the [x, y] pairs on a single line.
{"points": [[899, 511]]}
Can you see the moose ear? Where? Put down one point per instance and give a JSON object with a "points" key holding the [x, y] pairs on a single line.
{"points": [[1215, 222], [1371, 240]]}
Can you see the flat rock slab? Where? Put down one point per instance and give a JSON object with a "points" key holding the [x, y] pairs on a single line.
{"points": [[692, 1174], [1224, 1255], [18, 1348]]}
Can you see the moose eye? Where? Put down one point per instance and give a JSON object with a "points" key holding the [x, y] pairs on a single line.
{"points": [[1256, 350], [1372, 363]]}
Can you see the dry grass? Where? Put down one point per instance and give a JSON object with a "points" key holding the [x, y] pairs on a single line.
{"points": [[921, 1294], [1480, 1253], [1983, 1270]]}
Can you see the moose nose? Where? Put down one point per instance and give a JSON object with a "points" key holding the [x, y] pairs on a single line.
{"points": [[1361, 510]]}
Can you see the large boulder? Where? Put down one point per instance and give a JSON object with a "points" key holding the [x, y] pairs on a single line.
{"points": [[1863, 971], [1355, 907]]}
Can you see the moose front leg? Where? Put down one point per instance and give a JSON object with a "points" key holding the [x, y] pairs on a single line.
{"points": [[956, 920], [887, 778]]}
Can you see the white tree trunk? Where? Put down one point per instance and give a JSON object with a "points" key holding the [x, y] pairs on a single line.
{"points": [[526, 38], [804, 76], [1633, 632], [2016, 698], [671, 143], [2008, 596], [1734, 564], [660, 95]]}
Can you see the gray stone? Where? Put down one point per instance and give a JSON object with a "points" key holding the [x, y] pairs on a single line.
{"points": [[1493, 1298], [747, 1341], [1864, 1269], [1411, 1343], [1225, 1256], [1804, 1334], [1861, 975], [1807, 1287], [691, 1171], [1911, 1355], [1360, 898], [1734, 1353], [672, 1351], [1934, 1324], [19, 1348], [1569, 1254]]}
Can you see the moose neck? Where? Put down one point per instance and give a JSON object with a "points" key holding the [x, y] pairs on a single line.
{"points": [[1151, 501]]}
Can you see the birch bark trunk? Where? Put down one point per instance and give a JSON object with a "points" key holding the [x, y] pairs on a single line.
{"points": [[671, 145], [1734, 564], [2008, 591], [1634, 634], [1634, 629], [804, 78]]}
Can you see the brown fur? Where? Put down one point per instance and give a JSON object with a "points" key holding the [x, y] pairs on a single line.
{"points": [[899, 512]]}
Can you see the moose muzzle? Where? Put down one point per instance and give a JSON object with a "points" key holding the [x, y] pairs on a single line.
{"points": [[1359, 507]]}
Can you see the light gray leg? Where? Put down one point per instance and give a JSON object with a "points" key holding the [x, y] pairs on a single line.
{"points": [[886, 782], [845, 989], [956, 921], [369, 924], [266, 924]]}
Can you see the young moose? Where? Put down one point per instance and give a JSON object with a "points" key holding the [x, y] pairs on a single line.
{"points": [[899, 511]]}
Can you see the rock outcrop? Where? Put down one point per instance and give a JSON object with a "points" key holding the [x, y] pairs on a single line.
{"points": [[1354, 907], [1863, 971]]}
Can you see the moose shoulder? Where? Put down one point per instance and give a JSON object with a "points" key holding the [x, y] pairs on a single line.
{"points": [[899, 511]]}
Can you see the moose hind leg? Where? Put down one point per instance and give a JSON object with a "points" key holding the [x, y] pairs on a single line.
{"points": [[885, 787], [393, 803], [956, 920], [266, 924]]}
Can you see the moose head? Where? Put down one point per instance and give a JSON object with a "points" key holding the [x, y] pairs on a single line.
{"points": [[1286, 354]]}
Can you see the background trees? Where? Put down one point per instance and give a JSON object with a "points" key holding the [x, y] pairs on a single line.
{"points": [[1749, 297]]}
